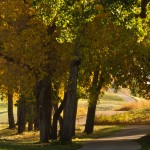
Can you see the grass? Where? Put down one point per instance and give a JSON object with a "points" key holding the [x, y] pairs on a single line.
{"points": [[9, 140], [3, 106], [139, 104], [134, 117], [3, 112], [99, 132], [109, 101], [145, 142], [9, 145]]}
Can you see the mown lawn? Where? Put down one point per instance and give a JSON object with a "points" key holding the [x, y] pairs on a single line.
{"points": [[9, 140], [99, 132], [10, 145]]}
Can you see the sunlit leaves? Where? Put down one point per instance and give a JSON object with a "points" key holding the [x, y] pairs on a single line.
{"points": [[129, 16]]}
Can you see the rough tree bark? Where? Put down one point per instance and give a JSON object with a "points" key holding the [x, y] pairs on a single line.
{"points": [[30, 117], [21, 114], [10, 110], [143, 8], [44, 108], [74, 118], [56, 117], [70, 107], [36, 107], [93, 98]]}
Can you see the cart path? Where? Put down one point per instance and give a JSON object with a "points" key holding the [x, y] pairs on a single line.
{"points": [[122, 140]]}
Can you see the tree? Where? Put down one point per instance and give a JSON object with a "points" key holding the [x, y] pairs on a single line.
{"points": [[10, 110], [36, 43], [101, 60]]}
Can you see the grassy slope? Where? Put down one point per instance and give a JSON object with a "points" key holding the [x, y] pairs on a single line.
{"points": [[135, 117], [109, 101]]}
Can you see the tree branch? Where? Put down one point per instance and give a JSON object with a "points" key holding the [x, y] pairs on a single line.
{"points": [[19, 63], [143, 8]]}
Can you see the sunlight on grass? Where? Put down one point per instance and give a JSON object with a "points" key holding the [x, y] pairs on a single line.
{"points": [[99, 131], [140, 104], [134, 117], [109, 101], [10, 140], [3, 106]]}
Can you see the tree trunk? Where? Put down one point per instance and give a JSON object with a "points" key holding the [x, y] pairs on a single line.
{"points": [[74, 118], [36, 107], [55, 119], [10, 111], [143, 8], [30, 125], [54, 124], [36, 124], [70, 107], [94, 94], [30, 117], [45, 110], [21, 114]]}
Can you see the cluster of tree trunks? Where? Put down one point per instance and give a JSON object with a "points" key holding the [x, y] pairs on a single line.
{"points": [[42, 121], [93, 98]]}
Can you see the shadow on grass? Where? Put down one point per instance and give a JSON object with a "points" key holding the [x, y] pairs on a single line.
{"points": [[11, 145], [145, 142], [99, 133]]}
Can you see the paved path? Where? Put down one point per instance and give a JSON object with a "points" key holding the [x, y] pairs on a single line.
{"points": [[123, 140]]}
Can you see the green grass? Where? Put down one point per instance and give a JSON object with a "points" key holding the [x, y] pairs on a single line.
{"points": [[145, 142], [3, 106], [9, 145], [109, 101], [134, 117], [10, 140], [3, 112], [99, 132]]}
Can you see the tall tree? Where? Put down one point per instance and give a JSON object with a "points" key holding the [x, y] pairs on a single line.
{"points": [[11, 120]]}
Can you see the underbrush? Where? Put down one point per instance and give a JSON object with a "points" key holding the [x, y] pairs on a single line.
{"points": [[134, 117]]}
